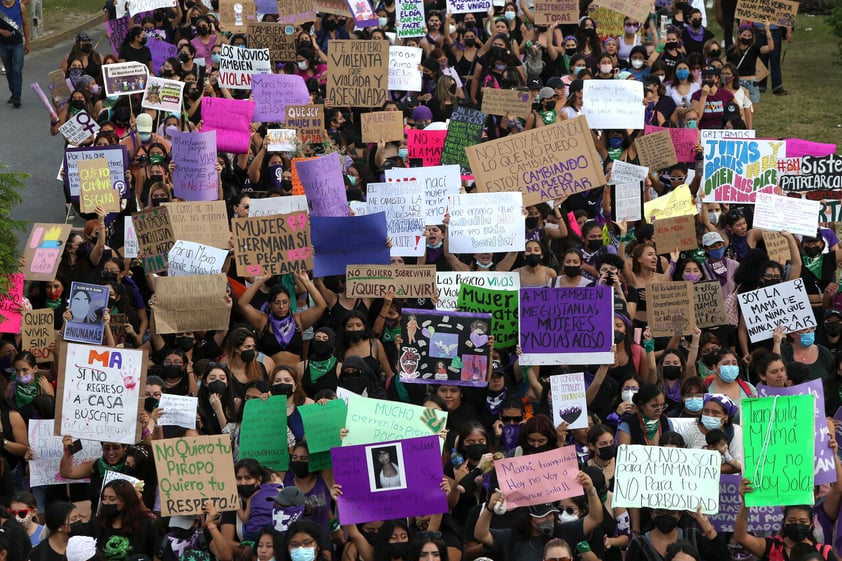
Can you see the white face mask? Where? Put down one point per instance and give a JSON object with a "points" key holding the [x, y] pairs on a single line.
{"points": [[636, 63], [564, 517], [383, 21], [302, 64], [606, 68], [626, 395], [452, 29], [25, 521], [713, 217]]}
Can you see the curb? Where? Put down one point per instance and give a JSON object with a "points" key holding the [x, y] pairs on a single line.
{"points": [[50, 40]]}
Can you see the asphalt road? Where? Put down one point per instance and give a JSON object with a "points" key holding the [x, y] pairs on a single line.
{"points": [[25, 142]]}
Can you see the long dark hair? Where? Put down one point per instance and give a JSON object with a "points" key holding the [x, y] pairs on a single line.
{"points": [[133, 512]]}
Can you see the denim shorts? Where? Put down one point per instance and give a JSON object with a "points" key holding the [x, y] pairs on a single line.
{"points": [[753, 90]]}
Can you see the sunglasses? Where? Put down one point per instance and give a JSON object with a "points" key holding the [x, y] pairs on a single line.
{"points": [[506, 419], [22, 513]]}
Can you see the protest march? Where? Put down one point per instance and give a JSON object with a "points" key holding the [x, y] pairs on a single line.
{"points": [[451, 280]]}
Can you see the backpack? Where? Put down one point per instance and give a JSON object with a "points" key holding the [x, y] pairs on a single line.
{"points": [[776, 551]]}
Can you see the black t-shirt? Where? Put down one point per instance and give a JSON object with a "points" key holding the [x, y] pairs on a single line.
{"points": [[142, 55], [45, 552]]}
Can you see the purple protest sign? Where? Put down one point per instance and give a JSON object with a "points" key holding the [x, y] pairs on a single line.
{"points": [[266, 6], [825, 468], [760, 519], [231, 119], [161, 51], [194, 177], [117, 30], [797, 147], [323, 184], [389, 480], [362, 12], [684, 141], [273, 92], [348, 240], [566, 325]]}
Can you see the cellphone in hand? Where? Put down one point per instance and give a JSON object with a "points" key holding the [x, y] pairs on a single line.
{"points": [[75, 446]]}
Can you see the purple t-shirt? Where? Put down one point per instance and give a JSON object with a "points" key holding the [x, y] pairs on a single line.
{"points": [[714, 108]]}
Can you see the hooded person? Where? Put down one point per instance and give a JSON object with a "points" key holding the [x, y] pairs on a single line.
{"points": [[357, 377], [320, 370]]}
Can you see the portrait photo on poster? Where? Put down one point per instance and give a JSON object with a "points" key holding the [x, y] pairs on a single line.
{"points": [[386, 469]]}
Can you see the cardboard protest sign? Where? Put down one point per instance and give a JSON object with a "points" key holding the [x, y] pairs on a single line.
{"points": [[190, 258], [348, 240], [195, 177], [785, 304], [263, 435], [425, 146], [323, 184], [389, 479], [281, 140], [765, 519], [627, 201], [678, 232], [440, 182], [440, 347], [623, 172], [778, 444], [679, 202], [48, 450], [11, 316], [449, 284], [409, 22], [779, 12], [118, 163], [98, 393], [235, 15], [79, 128], [776, 213], [539, 478], [486, 222], [38, 332], [308, 121], [381, 125], [544, 163], [376, 420], [819, 177], [404, 206], [124, 78], [404, 75], [501, 304], [163, 95], [709, 304], [824, 466], [273, 37], [338, 7], [231, 119], [683, 140], [323, 423], [356, 73], [237, 66], [736, 170], [193, 470], [667, 478], [154, 237], [506, 102], [59, 90], [43, 250], [568, 400], [656, 150], [566, 325], [613, 104], [295, 12], [88, 304], [278, 205], [467, 6], [194, 303], [635, 10], [272, 245], [405, 281], [463, 130], [671, 309], [777, 246], [556, 11], [178, 411], [95, 187], [203, 222], [161, 50]]}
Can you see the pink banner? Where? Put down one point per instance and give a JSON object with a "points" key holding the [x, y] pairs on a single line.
{"points": [[684, 140], [539, 478], [796, 148], [10, 305], [231, 119], [426, 145]]}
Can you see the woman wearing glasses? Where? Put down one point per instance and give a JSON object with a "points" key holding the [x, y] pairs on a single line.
{"points": [[649, 422], [113, 459], [304, 541]]}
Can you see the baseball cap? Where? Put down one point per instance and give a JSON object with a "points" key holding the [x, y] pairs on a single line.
{"points": [[546, 93], [540, 511], [82, 36], [289, 496], [535, 84], [711, 238], [555, 82], [144, 122]]}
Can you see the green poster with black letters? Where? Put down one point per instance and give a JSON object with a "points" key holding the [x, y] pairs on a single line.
{"points": [[778, 448], [263, 432]]}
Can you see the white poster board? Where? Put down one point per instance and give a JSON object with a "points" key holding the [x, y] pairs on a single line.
{"points": [[47, 451], [486, 222], [449, 282], [613, 104], [785, 304], [179, 411], [191, 258], [278, 205], [405, 207], [440, 182], [776, 213], [568, 399]]}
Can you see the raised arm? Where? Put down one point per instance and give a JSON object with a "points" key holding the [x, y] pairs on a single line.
{"points": [[255, 317]]}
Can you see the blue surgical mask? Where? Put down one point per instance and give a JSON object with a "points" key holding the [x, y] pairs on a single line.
{"points": [[682, 73], [145, 136], [352, 179], [215, 58], [383, 22], [693, 404], [692, 124], [403, 153], [510, 16], [711, 423], [578, 70], [303, 554], [807, 339], [729, 372], [615, 141], [716, 254]]}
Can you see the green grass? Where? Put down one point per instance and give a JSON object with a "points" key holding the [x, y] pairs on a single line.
{"points": [[82, 6]]}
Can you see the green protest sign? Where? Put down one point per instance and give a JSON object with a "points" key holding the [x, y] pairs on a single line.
{"points": [[263, 432], [319, 461], [376, 420], [501, 304], [778, 442], [322, 424]]}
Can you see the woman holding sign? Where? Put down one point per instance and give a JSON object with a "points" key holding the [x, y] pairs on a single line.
{"points": [[652, 546]]}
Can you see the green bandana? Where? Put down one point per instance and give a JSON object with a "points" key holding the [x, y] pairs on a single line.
{"points": [[651, 428], [319, 368], [25, 393], [814, 265], [390, 333]]}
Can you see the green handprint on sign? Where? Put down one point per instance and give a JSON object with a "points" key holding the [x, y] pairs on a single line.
{"points": [[429, 418]]}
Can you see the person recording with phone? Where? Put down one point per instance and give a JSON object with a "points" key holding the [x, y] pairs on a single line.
{"points": [[610, 267]]}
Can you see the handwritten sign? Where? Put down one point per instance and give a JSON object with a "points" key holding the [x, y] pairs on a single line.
{"points": [[376, 281], [613, 104], [539, 478], [382, 125], [273, 92], [323, 423], [404, 206], [819, 177], [463, 131], [409, 19], [556, 11], [237, 65], [468, 6], [627, 201], [501, 304], [683, 140], [338, 7], [679, 202], [736, 170], [178, 411], [404, 75], [777, 246], [623, 172], [47, 451], [124, 78], [486, 222], [231, 119], [778, 443], [544, 163], [195, 177], [118, 162], [38, 332], [636, 10], [154, 237], [273, 37], [163, 95], [566, 325], [709, 304], [785, 304], [667, 478], [779, 12], [356, 73], [678, 232], [194, 470], [376, 420], [263, 435], [79, 128], [323, 185], [672, 308], [449, 284], [272, 245], [278, 205], [191, 258], [203, 222], [43, 250], [194, 303], [656, 150], [118, 29], [439, 182], [161, 50], [95, 187], [506, 102], [99, 393], [10, 302], [425, 146], [295, 12], [774, 212], [308, 121], [568, 400]]}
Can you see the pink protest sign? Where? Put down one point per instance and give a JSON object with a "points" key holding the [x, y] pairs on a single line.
{"points": [[10, 302], [539, 478], [797, 147], [684, 141], [426, 145], [231, 119]]}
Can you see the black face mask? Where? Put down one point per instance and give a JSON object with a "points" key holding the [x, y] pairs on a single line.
{"points": [[156, 178], [77, 528], [173, 372], [203, 31], [797, 532], [217, 387], [470, 42], [354, 336], [475, 451], [299, 469], [281, 389], [248, 356], [593, 245], [572, 271], [108, 511], [833, 328], [672, 372], [533, 259], [813, 250], [607, 452], [320, 350], [194, 94], [286, 184], [246, 490], [745, 40], [589, 32], [671, 45], [183, 57], [531, 222], [108, 276], [331, 25], [696, 23], [398, 550], [665, 523], [538, 449], [550, 105], [184, 343], [571, 52], [77, 104], [619, 337], [149, 404]]}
